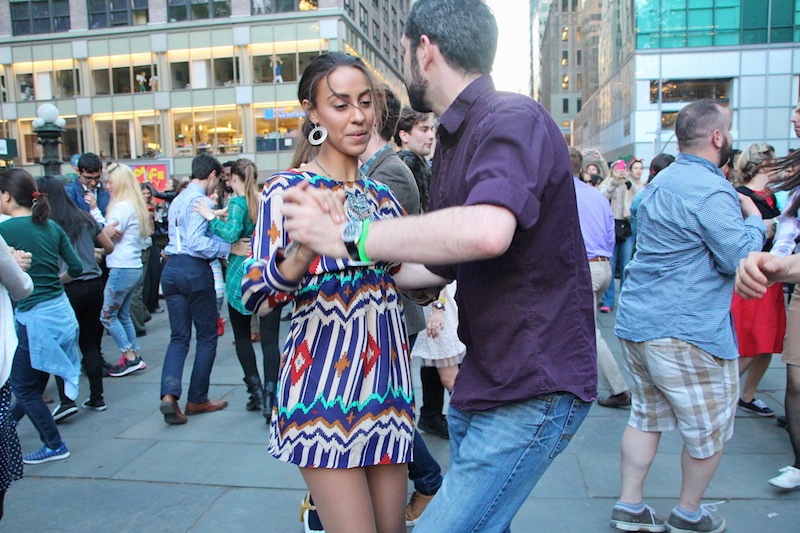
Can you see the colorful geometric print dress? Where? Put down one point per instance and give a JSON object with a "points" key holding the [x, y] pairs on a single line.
{"points": [[344, 397]]}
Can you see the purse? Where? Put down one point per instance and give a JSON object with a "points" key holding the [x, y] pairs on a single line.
{"points": [[622, 229]]}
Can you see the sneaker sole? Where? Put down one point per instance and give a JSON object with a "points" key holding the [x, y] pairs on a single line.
{"points": [[757, 413], [719, 529], [627, 526], [46, 459], [784, 487], [94, 408], [129, 370], [60, 417]]}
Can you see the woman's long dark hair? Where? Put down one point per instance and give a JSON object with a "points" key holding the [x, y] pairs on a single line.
{"points": [[22, 188], [788, 182], [64, 212], [422, 175]]}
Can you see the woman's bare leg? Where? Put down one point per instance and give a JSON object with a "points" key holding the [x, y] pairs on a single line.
{"points": [[387, 488], [342, 498], [447, 374]]}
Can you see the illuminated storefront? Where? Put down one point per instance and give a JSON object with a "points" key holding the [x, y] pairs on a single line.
{"points": [[164, 80]]}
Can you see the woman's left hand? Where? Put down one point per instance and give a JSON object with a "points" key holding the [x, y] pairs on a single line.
{"points": [[435, 323], [201, 206]]}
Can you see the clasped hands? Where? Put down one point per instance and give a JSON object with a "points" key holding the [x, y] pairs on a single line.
{"points": [[314, 219]]}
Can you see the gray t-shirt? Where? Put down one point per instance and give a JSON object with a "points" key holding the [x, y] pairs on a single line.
{"points": [[84, 247]]}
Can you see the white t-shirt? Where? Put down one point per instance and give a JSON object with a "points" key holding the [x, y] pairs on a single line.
{"points": [[128, 248]]}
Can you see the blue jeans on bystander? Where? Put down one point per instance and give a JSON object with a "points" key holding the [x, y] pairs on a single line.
{"points": [[116, 313]]}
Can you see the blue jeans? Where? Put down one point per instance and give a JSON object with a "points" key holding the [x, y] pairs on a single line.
{"points": [[424, 471], [496, 458], [188, 287], [623, 252], [28, 384], [116, 313]]}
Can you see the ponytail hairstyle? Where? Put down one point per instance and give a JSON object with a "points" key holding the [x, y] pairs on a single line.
{"points": [[126, 189], [246, 171], [22, 187]]}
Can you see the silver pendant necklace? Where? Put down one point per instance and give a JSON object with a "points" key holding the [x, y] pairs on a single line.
{"points": [[356, 203]]}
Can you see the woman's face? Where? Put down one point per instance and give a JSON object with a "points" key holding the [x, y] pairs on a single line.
{"points": [[636, 170], [237, 184], [147, 195], [592, 169], [345, 109], [110, 185]]}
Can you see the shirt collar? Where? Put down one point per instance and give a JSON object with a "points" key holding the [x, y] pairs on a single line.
{"points": [[689, 158], [371, 161], [454, 116]]}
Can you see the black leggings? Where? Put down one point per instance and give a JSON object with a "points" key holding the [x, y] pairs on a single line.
{"points": [[86, 298], [269, 328]]}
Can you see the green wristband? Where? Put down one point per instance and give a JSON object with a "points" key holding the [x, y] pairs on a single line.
{"points": [[362, 255]]}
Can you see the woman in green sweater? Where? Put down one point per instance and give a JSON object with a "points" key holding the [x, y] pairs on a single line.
{"points": [[45, 323], [242, 213]]}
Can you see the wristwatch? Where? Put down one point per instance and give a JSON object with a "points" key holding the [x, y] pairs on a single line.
{"points": [[350, 235], [438, 305]]}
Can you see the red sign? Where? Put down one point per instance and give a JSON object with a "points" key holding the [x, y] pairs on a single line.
{"points": [[155, 174]]}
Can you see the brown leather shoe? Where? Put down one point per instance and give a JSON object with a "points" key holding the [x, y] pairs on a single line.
{"points": [[623, 399], [205, 407], [171, 411]]}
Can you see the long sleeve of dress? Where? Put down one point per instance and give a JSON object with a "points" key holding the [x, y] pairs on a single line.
{"points": [[263, 286], [12, 277]]}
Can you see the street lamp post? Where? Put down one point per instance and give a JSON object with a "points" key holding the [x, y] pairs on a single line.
{"points": [[49, 127]]}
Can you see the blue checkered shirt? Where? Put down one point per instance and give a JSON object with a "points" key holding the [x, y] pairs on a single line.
{"points": [[690, 240]]}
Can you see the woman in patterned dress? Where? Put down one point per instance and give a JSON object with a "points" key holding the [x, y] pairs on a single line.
{"points": [[344, 407]]}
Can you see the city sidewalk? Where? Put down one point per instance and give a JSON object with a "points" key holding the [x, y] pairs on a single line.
{"points": [[130, 472]]}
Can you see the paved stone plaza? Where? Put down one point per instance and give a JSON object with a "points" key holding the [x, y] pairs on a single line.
{"points": [[130, 472]]}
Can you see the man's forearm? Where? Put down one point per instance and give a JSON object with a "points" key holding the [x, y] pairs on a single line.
{"points": [[453, 235]]}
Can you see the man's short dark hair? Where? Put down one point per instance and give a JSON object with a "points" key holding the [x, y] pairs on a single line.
{"points": [[203, 165], [697, 121], [90, 162], [409, 118], [390, 115], [464, 30], [227, 164]]}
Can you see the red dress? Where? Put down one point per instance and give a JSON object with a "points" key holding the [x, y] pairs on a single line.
{"points": [[760, 323]]}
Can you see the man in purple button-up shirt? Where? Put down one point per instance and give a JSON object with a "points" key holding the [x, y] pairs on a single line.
{"points": [[504, 224]]}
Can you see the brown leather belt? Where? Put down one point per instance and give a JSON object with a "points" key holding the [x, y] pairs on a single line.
{"points": [[598, 259]]}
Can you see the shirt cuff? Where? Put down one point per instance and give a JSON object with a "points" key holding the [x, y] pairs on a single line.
{"points": [[98, 216]]}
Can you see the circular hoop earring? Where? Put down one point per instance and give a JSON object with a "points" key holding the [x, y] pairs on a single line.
{"points": [[318, 135]]}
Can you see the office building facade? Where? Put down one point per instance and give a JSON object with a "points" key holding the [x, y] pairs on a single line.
{"points": [[657, 56], [163, 80]]}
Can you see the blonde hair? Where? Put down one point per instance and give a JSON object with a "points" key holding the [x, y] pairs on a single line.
{"points": [[126, 189], [753, 160], [247, 171]]}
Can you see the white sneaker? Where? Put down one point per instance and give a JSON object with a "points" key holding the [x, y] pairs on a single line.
{"points": [[789, 478]]}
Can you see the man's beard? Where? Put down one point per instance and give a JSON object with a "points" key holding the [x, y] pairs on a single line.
{"points": [[725, 153], [417, 88]]}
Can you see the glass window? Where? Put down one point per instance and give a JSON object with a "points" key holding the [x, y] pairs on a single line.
{"points": [[565, 81], [277, 127], [579, 81], [67, 83], [348, 6], [180, 10], [39, 16], [564, 58], [25, 85], [107, 13], [363, 17], [376, 31], [180, 75], [690, 90], [668, 119], [565, 33], [565, 5], [565, 105], [579, 105], [578, 57]]}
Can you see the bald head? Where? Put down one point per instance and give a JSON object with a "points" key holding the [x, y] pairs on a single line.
{"points": [[697, 122]]}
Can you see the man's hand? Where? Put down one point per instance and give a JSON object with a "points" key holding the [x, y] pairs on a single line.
{"points": [[758, 271], [22, 258], [748, 206], [314, 218], [241, 247], [91, 200], [201, 207], [112, 231]]}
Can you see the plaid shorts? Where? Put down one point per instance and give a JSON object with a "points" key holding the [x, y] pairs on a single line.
{"points": [[676, 384]]}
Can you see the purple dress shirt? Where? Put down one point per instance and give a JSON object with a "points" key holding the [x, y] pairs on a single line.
{"points": [[526, 316], [597, 221]]}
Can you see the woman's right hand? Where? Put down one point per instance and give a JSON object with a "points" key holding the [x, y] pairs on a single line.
{"points": [[435, 322]]}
